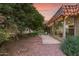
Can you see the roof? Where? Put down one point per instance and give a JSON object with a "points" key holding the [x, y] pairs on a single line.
{"points": [[65, 10], [70, 9]]}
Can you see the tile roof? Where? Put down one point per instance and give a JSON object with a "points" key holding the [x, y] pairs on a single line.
{"points": [[65, 10], [70, 10]]}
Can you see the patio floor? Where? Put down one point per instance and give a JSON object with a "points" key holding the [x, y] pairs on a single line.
{"points": [[47, 39], [35, 46]]}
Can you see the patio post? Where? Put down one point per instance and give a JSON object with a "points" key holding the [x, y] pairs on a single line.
{"points": [[64, 29], [74, 18]]}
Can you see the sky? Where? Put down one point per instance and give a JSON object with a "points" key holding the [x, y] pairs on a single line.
{"points": [[47, 9]]}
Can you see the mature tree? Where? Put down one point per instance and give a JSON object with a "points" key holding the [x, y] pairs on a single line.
{"points": [[23, 15], [16, 17]]}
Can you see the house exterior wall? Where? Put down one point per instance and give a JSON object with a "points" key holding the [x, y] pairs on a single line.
{"points": [[65, 31]]}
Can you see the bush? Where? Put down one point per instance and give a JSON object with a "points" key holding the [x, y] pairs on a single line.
{"points": [[70, 46], [4, 36], [33, 34]]}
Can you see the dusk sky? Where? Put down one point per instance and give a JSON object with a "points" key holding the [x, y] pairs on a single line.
{"points": [[47, 9]]}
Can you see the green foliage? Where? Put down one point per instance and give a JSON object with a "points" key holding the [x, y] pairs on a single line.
{"points": [[33, 34], [70, 46], [18, 17], [4, 36], [23, 15]]}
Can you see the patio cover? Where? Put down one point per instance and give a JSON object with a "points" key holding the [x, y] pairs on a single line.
{"points": [[65, 10]]}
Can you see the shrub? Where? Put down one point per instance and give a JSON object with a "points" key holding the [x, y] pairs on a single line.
{"points": [[33, 34], [4, 36], [70, 46]]}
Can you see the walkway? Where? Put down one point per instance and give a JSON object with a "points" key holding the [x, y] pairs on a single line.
{"points": [[34, 46], [46, 39]]}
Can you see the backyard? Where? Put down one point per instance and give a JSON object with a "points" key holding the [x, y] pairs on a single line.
{"points": [[24, 32], [21, 28], [33, 46]]}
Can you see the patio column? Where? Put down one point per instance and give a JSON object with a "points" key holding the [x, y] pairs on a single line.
{"points": [[64, 29], [74, 26]]}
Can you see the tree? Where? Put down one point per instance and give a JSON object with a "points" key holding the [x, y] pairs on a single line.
{"points": [[18, 17], [23, 15]]}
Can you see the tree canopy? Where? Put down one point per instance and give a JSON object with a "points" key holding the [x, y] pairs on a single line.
{"points": [[16, 17], [23, 15]]}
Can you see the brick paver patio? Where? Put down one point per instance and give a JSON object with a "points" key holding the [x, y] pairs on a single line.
{"points": [[33, 47]]}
